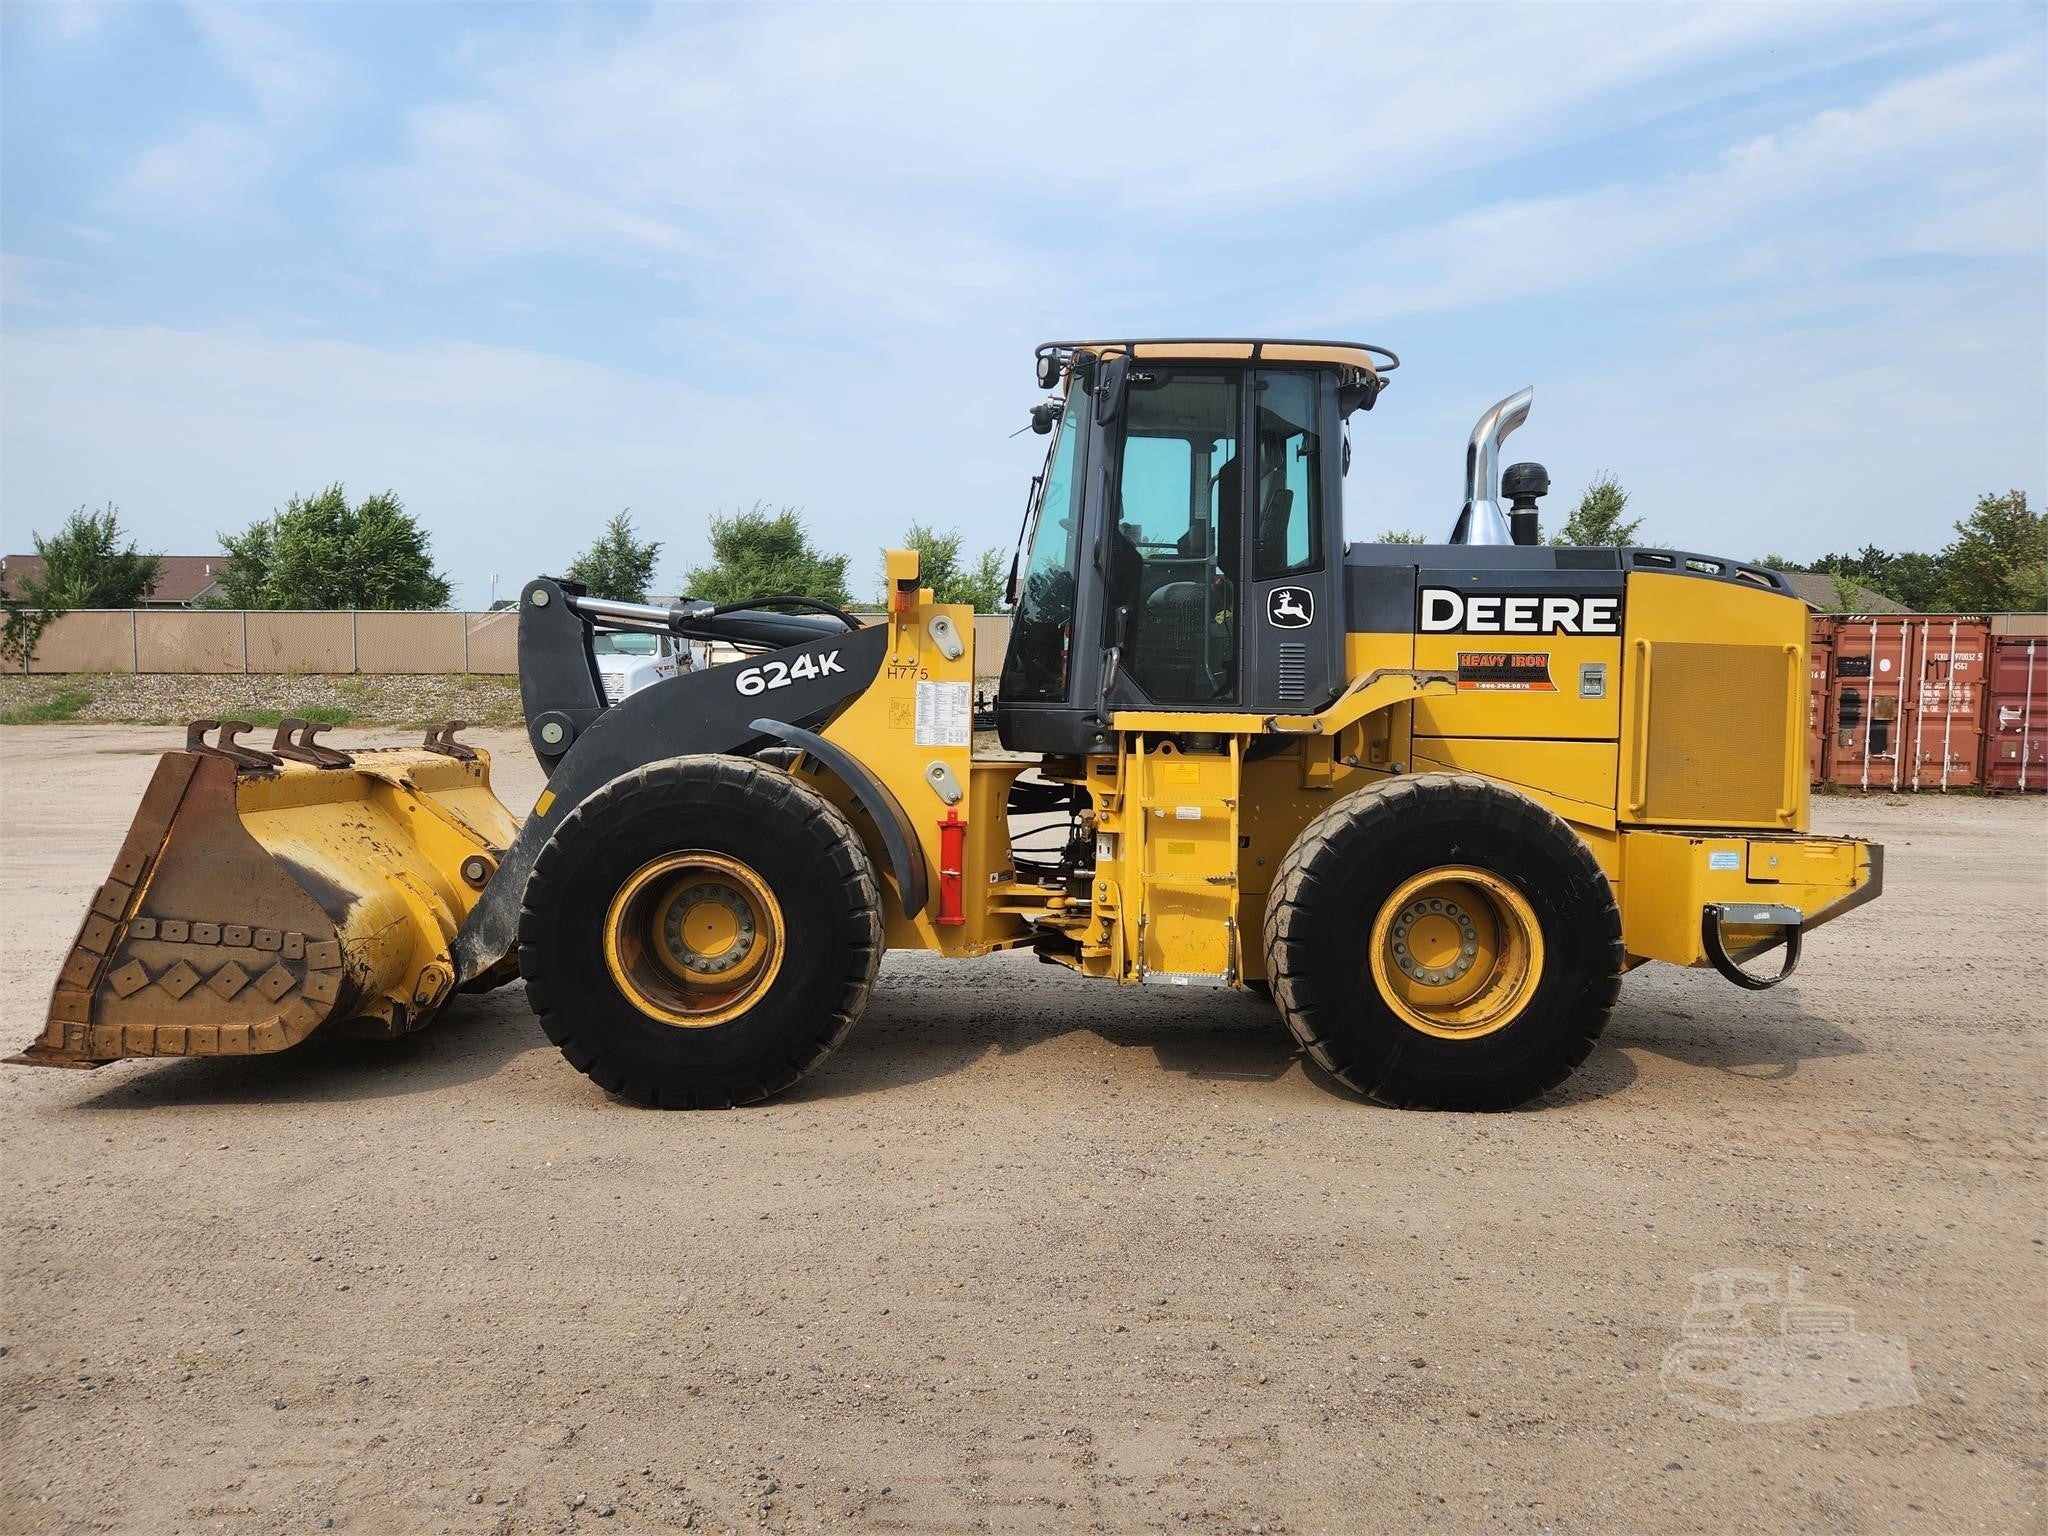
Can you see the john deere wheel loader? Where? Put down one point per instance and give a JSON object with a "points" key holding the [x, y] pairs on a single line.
{"points": [[1437, 798]]}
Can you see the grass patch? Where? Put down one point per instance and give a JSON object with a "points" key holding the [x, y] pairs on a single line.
{"points": [[51, 711], [313, 714]]}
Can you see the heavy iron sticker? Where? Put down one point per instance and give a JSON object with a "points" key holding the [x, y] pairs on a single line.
{"points": [[1504, 672]]}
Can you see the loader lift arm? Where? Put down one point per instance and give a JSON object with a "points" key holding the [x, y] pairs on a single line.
{"points": [[691, 714]]}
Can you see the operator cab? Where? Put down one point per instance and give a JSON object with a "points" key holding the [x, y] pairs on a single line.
{"points": [[1185, 546]]}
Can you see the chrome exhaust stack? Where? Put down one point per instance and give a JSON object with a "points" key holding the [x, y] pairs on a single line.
{"points": [[1482, 522]]}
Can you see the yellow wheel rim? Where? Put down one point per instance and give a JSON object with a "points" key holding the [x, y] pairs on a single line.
{"points": [[1457, 952], [694, 939]]}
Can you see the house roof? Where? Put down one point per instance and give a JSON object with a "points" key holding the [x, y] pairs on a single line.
{"points": [[179, 578], [1817, 590]]}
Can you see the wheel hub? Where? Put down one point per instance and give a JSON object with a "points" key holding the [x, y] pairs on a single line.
{"points": [[1435, 941], [709, 929]]}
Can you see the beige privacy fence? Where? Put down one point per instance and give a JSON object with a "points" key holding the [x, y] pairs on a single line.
{"points": [[252, 640], [238, 640]]}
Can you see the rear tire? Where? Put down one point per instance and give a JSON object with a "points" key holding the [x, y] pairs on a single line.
{"points": [[700, 933], [1442, 942]]}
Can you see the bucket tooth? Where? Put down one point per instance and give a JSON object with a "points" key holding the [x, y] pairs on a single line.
{"points": [[227, 744], [441, 739], [294, 740]]}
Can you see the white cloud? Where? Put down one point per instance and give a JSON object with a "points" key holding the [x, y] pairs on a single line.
{"points": [[777, 152], [1928, 139], [283, 70], [18, 288], [207, 170], [69, 21], [212, 168]]}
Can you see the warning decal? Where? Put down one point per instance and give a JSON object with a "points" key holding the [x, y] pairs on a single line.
{"points": [[944, 714], [1504, 672]]}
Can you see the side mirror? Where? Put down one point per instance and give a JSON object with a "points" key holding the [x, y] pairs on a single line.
{"points": [[1111, 388]]}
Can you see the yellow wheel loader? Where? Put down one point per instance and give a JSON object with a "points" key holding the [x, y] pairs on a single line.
{"points": [[1436, 798]]}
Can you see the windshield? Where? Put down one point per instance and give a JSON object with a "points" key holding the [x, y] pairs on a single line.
{"points": [[622, 643], [1042, 630]]}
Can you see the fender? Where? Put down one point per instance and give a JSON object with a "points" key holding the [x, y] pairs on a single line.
{"points": [[899, 837]]}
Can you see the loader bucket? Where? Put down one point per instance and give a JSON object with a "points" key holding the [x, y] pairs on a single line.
{"points": [[261, 895]]}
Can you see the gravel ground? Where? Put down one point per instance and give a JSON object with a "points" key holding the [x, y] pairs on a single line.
{"points": [[1027, 1256], [174, 698]]}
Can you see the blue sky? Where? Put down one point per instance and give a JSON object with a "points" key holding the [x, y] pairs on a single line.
{"points": [[1780, 268]]}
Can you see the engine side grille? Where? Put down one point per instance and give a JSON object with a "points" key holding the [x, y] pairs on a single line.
{"points": [[1714, 743]]}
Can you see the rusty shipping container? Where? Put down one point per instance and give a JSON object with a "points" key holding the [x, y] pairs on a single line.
{"points": [[1906, 701], [2016, 719], [1820, 652]]}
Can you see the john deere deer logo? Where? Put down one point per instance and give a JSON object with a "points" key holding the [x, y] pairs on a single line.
{"points": [[1290, 607]]}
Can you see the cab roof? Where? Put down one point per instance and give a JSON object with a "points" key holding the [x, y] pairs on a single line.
{"points": [[1376, 361]]}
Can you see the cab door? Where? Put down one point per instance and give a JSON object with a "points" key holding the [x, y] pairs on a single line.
{"points": [[1173, 541], [1293, 609]]}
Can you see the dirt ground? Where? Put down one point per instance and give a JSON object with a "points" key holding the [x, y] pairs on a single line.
{"points": [[1028, 1255]]}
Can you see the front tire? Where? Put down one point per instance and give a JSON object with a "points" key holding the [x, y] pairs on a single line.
{"points": [[700, 933], [1442, 942]]}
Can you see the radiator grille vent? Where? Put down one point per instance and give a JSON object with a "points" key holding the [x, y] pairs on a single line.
{"points": [[1715, 753], [1293, 667]]}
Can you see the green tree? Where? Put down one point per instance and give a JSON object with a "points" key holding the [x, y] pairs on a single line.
{"points": [[1866, 566], [758, 553], [1913, 579], [1910, 578], [617, 565], [1402, 537], [939, 567], [87, 563], [1999, 560], [1597, 518], [1777, 563], [320, 552]]}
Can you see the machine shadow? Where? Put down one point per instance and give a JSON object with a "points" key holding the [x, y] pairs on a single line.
{"points": [[1234, 1037], [1767, 1036], [470, 1042], [901, 1041]]}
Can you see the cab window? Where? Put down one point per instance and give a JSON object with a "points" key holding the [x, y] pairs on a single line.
{"points": [[1287, 498], [1037, 664]]}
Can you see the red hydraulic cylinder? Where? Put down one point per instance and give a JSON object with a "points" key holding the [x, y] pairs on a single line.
{"points": [[952, 854]]}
